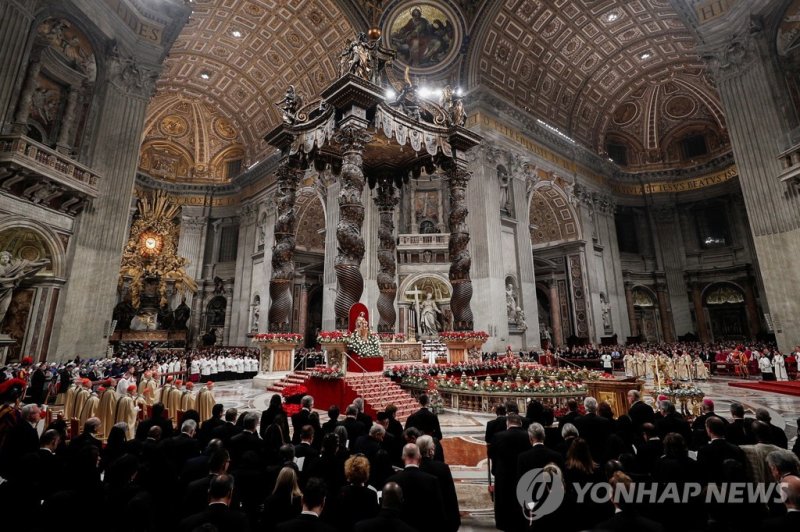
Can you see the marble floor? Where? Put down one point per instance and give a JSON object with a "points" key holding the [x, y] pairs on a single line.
{"points": [[465, 448]]}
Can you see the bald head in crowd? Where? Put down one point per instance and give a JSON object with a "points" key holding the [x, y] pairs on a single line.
{"points": [[411, 454]]}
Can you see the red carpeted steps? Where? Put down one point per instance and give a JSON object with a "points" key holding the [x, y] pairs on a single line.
{"points": [[297, 377], [784, 387], [377, 391]]}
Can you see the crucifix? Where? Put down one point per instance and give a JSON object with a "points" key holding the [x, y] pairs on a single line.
{"points": [[415, 293]]}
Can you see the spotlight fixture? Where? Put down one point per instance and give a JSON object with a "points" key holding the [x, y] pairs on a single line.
{"points": [[236, 33], [390, 94], [205, 74], [612, 17], [644, 56]]}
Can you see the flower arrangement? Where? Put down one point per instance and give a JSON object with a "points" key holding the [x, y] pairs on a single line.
{"points": [[293, 394], [278, 338], [463, 336], [327, 373], [504, 364], [541, 387], [328, 337], [369, 348]]}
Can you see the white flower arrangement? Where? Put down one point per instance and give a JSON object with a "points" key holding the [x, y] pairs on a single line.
{"points": [[369, 348]]}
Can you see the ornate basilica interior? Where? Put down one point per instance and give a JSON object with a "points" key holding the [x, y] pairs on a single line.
{"points": [[611, 171]]}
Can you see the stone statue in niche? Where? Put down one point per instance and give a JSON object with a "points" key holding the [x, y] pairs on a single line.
{"points": [[511, 302], [256, 317], [519, 319], [544, 332], [181, 315], [505, 183], [12, 273], [605, 309], [428, 319]]}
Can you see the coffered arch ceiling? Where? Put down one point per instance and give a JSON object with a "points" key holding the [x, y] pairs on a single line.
{"points": [[238, 57], [572, 63]]}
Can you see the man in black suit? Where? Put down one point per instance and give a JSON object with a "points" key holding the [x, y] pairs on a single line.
{"points": [[388, 519], [672, 421], [87, 437], [506, 449], [218, 513], [423, 507], [625, 518], [247, 440], [711, 458], [333, 420], [306, 455], [442, 472], [369, 444], [392, 445], [638, 411], [425, 420], [355, 428], [195, 497], [183, 447], [42, 476], [358, 402], [790, 488], [21, 439], [301, 418], [156, 419], [571, 415], [495, 426], [197, 467], [538, 455], [313, 503], [207, 427], [594, 429], [776, 435], [394, 427], [229, 429], [699, 435], [649, 449], [738, 430]]}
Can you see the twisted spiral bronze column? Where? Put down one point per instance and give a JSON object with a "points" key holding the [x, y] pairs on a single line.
{"points": [[351, 216], [460, 260], [386, 200], [280, 284]]}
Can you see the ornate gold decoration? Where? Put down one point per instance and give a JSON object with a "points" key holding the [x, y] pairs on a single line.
{"points": [[151, 251], [724, 295], [173, 125]]}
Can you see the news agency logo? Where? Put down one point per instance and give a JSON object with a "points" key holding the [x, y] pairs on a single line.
{"points": [[540, 492]]}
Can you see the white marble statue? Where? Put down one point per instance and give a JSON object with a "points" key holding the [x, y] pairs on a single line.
{"points": [[12, 273], [511, 302], [428, 322]]}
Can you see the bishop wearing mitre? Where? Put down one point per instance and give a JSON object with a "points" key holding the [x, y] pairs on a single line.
{"points": [[127, 410]]}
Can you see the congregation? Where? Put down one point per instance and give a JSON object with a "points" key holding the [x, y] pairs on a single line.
{"points": [[166, 456]]}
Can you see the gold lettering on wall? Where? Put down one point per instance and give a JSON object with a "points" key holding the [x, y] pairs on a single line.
{"points": [[669, 187], [710, 9], [132, 20]]}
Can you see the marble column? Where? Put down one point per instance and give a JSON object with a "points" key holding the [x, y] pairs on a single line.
{"points": [[331, 244], [753, 322], [665, 311], [752, 94], [631, 309], [349, 280], [302, 309], [17, 19], [555, 312], [26, 98], [460, 259], [280, 285], [700, 314], [101, 234], [527, 277], [243, 276], [64, 142], [386, 201], [672, 256]]}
